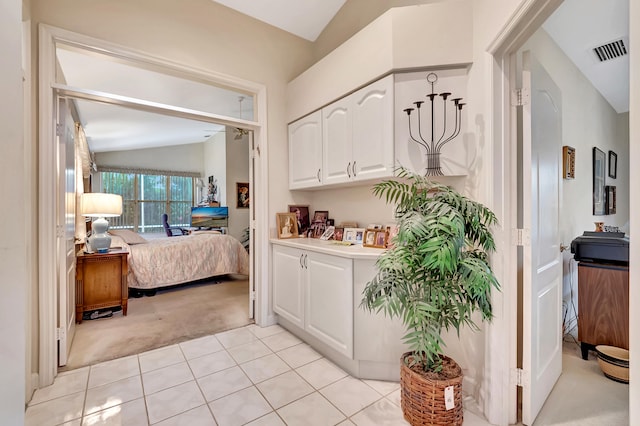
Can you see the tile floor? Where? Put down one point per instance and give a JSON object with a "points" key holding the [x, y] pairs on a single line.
{"points": [[248, 376]]}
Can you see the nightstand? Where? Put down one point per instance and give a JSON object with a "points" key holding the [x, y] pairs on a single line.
{"points": [[101, 281]]}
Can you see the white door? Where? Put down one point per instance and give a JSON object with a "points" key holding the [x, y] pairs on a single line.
{"points": [[328, 311], [373, 148], [542, 262], [337, 142], [289, 275], [253, 152], [305, 152], [66, 231]]}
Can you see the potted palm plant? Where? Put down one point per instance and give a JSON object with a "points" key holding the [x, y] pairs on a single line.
{"points": [[434, 277]]}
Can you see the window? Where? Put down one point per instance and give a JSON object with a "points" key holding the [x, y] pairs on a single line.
{"points": [[146, 195]]}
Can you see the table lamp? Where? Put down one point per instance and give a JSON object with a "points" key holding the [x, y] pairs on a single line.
{"points": [[100, 205]]}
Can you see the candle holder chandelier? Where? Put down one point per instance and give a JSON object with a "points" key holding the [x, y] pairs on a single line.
{"points": [[434, 145]]}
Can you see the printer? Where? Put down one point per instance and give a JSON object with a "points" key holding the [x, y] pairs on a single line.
{"points": [[601, 247]]}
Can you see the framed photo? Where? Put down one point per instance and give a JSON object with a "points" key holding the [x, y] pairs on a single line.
{"points": [[599, 164], [302, 217], [392, 231], [286, 225], [611, 199], [375, 238], [242, 191], [353, 235], [328, 233], [338, 233], [613, 164], [319, 223]]}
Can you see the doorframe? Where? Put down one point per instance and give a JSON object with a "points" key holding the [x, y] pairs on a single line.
{"points": [[502, 334], [47, 183]]}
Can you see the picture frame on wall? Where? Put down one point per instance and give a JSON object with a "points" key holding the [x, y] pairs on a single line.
{"points": [[242, 191], [599, 164], [613, 164]]}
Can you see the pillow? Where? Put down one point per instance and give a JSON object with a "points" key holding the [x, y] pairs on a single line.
{"points": [[128, 236], [205, 232]]}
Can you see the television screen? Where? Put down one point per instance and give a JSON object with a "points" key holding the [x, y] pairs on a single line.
{"points": [[209, 217]]}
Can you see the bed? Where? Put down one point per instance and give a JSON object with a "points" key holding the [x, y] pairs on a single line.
{"points": [[165, 262]]}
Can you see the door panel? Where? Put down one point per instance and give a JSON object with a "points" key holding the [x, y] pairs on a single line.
{"points": [[542, 278], [337, 142], [305, 151], [288, 284], [66, 235]]}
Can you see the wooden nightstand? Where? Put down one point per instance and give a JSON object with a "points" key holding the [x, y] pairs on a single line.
{"points": [[101, 281]]}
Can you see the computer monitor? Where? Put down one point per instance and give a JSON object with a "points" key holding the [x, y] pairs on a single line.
{"points": [[209, 217]]}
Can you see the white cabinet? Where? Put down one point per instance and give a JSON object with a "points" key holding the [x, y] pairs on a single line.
{"points": [[329, 300], [347, 141], [314, 291], [305, 152], [357, 135], [288, 281]]}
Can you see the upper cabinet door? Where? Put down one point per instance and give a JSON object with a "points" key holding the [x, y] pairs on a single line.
{"points": [[373, 132], [336, 142], [305, 152]]}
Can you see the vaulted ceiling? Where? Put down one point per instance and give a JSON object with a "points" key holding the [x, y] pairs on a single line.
{"points": [[578, 26]]}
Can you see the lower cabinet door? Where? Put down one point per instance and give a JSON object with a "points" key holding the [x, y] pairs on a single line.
{"points": [[329, 301], [288, 284]]}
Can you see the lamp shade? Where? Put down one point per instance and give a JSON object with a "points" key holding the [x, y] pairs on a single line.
{"points": [[99, 204]]}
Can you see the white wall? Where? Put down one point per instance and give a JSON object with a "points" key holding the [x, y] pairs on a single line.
{"points": [[215, 164], [15, 199], [180, 158], [588, 121], [237, 171]]}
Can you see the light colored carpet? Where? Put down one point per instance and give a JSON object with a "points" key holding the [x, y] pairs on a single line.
{"points": [[173, 315], [583, 396]]}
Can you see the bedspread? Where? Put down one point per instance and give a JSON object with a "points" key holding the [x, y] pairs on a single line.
{"points": [[176, 260]]}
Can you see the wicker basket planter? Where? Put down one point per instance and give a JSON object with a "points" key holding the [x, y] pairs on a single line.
{"points": [[423, 400]]}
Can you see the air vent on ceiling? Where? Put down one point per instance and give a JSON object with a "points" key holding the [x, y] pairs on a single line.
{"points": [[611, 50]]}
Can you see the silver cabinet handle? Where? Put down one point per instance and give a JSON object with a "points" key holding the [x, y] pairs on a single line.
{"points": [[301, 264], [353, 169], [305, 262], [318, 175], [348, 172]]}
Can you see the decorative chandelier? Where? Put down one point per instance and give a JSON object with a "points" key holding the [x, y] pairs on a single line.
{"points": [[434, 145]]}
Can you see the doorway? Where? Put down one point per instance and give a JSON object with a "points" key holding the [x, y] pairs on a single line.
{"points": [[49, 191]]}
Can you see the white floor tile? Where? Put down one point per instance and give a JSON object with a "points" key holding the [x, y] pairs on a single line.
{"points": [[312, 410], [111, 394], [262, 332], [285, 388], [249, 351], [112, 371], [130, 413], [394, 397], [76, 422], [55, 411], [280, 341], [350, 395], [176, 400], [63, 385], [211, 363], [346, 423], [321, 373], [382, 387], [223, 383], [236, 337], [159, 358], [200, 416], [240, 407], [271, 419], [166, 377], [199, 347], [299, 355], [264, 368], [382, 413]]}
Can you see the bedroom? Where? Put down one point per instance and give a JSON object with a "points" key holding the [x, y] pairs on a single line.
{"points": [[150, 145]]}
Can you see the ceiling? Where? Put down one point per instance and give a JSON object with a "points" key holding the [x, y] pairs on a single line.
{"points": [[111, 127]]}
